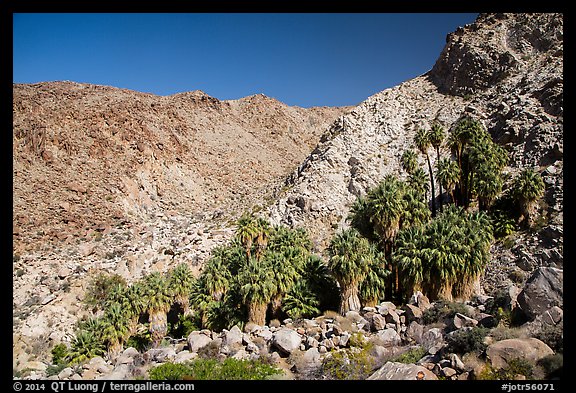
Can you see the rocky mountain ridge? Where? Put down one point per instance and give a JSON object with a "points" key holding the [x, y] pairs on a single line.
{"points": [[88, 157]]}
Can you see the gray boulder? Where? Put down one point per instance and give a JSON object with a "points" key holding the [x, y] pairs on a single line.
{"points": [[543, 290], [401, 371], [197, 341], [388, 337], [432, 340], [286, 340]]}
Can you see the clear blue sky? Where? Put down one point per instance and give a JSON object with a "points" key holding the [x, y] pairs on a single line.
{"points": [[300, 59]]}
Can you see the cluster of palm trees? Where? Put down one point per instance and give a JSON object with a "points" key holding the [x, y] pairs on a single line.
{"points": [[442, 254], [397, 243], [123, 308]]}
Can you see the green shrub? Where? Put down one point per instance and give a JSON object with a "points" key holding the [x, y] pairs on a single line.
{"points": [[141, 341], [59, 354], [552, 365], [443, 310], [211, 369], [467, 340], [352, 363], [515, 367], [411, 356], [54, 369], [169, 372]]}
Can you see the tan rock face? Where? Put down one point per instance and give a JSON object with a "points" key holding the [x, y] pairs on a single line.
{"points": [[530, 349], [87, 155]]}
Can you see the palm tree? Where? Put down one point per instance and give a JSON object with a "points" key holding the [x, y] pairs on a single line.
{"points": [[256, 281], [201, 300], [350, 259], [448, 175], [180, 283], [158, 302], [409, 161], [134, 304], [419, 182], [372, 288], [287, 267], [246, 232], [416, 211], [301, 302], [527, 189], [461, 135], [422, 141], [262, 235], [359, 218], [216, 276], [408, 258], [321, 282], [116, 328], [84, 347], [436, 135], [385, 208], [477, 237]]}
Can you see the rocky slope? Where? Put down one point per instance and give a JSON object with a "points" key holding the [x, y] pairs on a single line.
{"points": [[89, 157], [504, 69], [176, 169]]}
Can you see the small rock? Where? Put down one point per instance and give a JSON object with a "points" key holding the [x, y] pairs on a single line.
{"points": [[460, 320]]}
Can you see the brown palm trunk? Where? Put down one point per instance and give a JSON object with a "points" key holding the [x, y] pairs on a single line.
{"points": [[158, 326], [349, 300], [431, 186], [257, 313]]}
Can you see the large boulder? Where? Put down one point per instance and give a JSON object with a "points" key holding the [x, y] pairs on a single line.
{"points": [[388, 337], [286, 340], [543, 290], [432, 340], [531, 349], [197, 340], [401, 371]]}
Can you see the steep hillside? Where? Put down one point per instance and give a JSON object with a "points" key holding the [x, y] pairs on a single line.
{"points": [[504, 69], [89, 157]]}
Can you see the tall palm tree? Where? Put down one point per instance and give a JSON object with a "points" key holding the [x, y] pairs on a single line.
{"points": [[158, 302], [180, 283], [527, 189], [409, 161], [436, 136], [372, 288], [216, 276], [350, 259], [448, 175], [422, 142], [256, 280], [385, 208], [246, 232], [419, 182], [407, 256]]}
